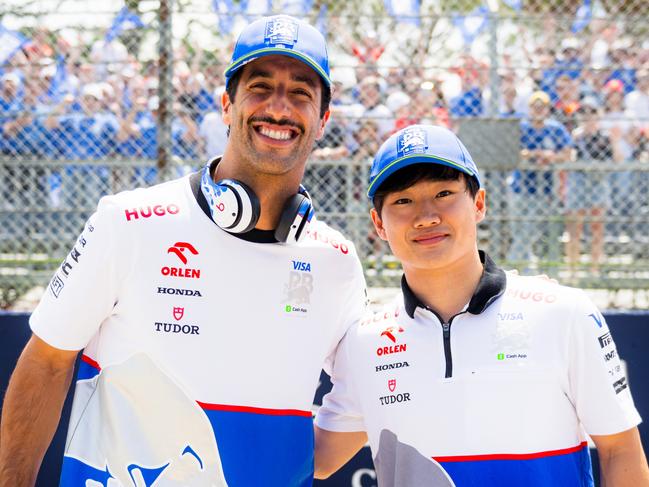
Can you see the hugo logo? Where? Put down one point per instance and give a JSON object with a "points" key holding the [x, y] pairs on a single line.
{"points": [[179, 249]]}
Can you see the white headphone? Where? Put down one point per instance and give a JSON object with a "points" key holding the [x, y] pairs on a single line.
{"points": [[235, 208]]}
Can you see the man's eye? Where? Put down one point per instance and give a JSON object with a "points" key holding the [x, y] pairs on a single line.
{"points": [[402, 201], [444, 193], [301, 92]]}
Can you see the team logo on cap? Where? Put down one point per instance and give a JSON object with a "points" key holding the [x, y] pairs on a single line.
{"points": [[412, 140], [281, 30]]}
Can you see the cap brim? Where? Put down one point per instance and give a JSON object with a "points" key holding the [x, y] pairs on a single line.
{"points": [[251, 56], [409, 160]]}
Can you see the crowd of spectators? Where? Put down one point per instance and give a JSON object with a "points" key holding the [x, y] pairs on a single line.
{"points": [[585, 100]]}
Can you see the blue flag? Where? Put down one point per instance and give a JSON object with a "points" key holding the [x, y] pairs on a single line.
{"points": [[582, 17], [403, 10], [515, 4], [124, 20], [10, 42], [297, 8], [321, 20], [255, 8], [57, 86], [226, 12], [472, 24]]}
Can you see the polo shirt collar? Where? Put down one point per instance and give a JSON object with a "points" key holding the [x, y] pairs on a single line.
{"points": [[490, 287]]}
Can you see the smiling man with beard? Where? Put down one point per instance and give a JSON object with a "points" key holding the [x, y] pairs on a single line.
{"points": [[264, 290]]}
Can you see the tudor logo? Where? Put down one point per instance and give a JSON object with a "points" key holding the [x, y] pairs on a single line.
{"points": [[390, 331], [392, 384], [179, 313], [179, 249]]}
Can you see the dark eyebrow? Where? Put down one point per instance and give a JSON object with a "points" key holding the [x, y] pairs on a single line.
{"points": [[304, 79]]}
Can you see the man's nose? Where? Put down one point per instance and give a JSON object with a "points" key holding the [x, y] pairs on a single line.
{"points": [[427, 215]]}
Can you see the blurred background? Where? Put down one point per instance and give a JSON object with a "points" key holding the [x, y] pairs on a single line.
{"points": [[551, 97]]}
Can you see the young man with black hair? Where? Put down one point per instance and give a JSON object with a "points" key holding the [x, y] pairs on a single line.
{"points": [[473, 376]]}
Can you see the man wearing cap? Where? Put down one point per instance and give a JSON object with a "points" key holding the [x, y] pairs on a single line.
{"points": [[536, 193], [473, 376], [205, 306]]}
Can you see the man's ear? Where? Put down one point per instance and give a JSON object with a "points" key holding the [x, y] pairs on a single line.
{"points": [[378, 224], [323, 123], [480, 205], [226, 105]]}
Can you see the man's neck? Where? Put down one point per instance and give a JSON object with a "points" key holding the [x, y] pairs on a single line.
{"points": [[449, 289]]}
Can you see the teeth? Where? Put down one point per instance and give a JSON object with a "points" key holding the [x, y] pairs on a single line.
{"points": [[275, 134]]}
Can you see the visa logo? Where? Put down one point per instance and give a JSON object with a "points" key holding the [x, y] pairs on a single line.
{"points": [[301, 266], [510, 316]]}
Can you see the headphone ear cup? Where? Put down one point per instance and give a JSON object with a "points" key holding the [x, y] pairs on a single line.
{"points": [[237, 206], [294, 220]]}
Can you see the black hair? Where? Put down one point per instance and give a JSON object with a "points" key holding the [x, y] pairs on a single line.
{"points": [[325, 96], [415, 173]]}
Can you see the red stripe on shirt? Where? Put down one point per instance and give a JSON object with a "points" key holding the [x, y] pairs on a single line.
{"points": [[512, 456], [247, 409], [90, 362]]}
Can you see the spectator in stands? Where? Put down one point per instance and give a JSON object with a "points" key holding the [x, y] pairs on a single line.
{"points": [[212, 129], [535, 199], [566, 106], [636, 103], [620, 129], [371, 106], [369, 49], [429, 106], [9, 84], [509, 98], [622, 64], [469, 102], [588, 191]]}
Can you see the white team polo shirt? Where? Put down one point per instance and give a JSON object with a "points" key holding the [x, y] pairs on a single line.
{"points": [[501, 395], [210, 346]]}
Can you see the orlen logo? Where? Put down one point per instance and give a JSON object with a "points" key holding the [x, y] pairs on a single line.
{"points": [[148, 211], [390, 333], [179, 249]]}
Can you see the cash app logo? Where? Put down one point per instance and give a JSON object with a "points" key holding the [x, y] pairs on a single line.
{"points": [[288, 308], [501, 356]]}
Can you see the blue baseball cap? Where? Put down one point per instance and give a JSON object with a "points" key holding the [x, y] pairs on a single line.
{"points": [[418, 144], [285, 35]]}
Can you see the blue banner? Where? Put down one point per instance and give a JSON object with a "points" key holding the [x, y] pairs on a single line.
{"points": [[124, 20], [404, 10], [10, 42]]}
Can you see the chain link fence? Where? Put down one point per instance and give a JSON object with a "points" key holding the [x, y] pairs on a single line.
{"points": [[550, 97]]}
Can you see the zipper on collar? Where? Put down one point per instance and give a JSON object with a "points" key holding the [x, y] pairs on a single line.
{"points": [[446, 338]]}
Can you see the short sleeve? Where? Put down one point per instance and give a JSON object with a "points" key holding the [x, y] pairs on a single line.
{"points": [[340, 410], [598, 383], [84, 289]]}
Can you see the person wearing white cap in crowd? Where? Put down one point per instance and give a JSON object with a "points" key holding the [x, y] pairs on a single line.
{"points": [[205, 306], [472, 376]]}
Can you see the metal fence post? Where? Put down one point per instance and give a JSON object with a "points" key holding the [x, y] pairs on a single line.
{"points": [[165, 89]]}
